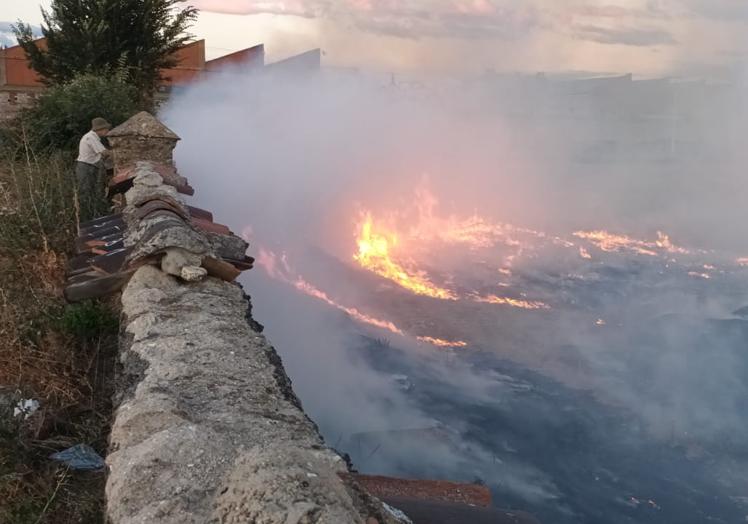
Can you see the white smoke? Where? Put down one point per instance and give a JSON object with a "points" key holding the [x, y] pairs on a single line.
{"points": [[293, 158]]}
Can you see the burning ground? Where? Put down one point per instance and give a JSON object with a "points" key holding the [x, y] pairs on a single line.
{"points": [[544, 366], [591, 371]]}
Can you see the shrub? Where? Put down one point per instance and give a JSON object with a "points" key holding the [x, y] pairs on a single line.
{"points": [[89, 320], [63, 113]]}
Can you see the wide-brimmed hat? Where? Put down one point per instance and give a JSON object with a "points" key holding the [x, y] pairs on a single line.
{"points": [[99, 123]]}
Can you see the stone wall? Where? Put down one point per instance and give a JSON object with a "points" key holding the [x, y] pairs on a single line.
{"points": [[207, 428], [12, 101]]}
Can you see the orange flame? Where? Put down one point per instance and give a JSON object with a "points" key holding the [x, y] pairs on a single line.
{"points": [[663, 242], [474, 231], [279, 269], [506, 301], [438, 342], [376, 245], [374, 255], [610, 242], [269, 261]]}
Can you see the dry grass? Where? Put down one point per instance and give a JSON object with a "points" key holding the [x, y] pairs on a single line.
{"points": [[45, 354]]}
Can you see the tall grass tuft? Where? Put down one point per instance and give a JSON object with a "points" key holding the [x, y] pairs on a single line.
{"points": [[38, 209]]}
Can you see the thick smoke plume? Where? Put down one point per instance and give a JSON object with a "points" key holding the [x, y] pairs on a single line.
{"points": [[294, 160]]}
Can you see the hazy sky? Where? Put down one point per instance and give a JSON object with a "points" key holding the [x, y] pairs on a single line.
{"points": [[648, 37]]}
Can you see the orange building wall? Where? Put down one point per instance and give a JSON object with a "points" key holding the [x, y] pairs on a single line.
{"points": [[18, 73], [253, 56], [15, 73], [15, 69], [190, 65]]}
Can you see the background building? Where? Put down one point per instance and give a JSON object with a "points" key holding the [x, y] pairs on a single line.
{"points": [[20, 84]]}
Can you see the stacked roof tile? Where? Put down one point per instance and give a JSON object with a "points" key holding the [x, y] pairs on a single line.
{"points": [[153, 224]]}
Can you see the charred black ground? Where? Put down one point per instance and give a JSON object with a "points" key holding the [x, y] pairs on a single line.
{"points": [[621, 403]]}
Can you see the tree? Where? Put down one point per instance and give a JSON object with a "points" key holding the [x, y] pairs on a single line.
{"points": [[102, 36]]}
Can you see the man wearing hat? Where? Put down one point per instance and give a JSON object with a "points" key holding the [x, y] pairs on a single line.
{"points": [[91, 151]]}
